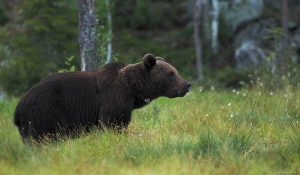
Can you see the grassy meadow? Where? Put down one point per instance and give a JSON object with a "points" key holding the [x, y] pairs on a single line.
{"points": [[206, 132]]}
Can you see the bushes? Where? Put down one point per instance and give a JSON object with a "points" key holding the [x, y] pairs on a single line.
{"points": [[40, 41]]}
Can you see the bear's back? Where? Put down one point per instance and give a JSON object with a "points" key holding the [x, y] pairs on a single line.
{"points": [[112, 68], [65, 89]]}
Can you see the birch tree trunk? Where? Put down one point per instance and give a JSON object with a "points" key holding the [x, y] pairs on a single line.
{"points": [[197, 41], [87, 31], [214, 26], [109, 44]]}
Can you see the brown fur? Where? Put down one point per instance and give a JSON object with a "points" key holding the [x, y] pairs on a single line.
{"points": [[61, 103]]}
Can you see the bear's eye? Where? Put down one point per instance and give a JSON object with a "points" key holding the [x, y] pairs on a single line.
{"points": [[171, 73]]}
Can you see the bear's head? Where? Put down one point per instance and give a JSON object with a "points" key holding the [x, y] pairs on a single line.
{"points": [[163, 78]]}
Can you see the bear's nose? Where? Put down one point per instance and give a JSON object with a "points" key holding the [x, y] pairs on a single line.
{"points": [[188, 86]]}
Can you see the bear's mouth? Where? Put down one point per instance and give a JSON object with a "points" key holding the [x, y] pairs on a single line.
{"points": [[181, 93]]}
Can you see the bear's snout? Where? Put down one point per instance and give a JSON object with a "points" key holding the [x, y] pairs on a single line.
{"points": [[184, 89], [188, 86]]}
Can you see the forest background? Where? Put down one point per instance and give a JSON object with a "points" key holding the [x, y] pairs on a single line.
{"points": [[237, 38], [240, 117]]}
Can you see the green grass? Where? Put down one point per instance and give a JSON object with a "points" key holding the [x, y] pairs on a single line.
{"points": [[206, 132]]}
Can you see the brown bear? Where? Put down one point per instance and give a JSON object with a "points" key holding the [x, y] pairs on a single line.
{"points": [[65, 102]]}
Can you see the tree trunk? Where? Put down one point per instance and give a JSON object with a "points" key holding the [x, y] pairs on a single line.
{"points": [[87, 31], [109, 44], [214, 26], [282, 65], [205, 18], [197, 41], [284, 22]]}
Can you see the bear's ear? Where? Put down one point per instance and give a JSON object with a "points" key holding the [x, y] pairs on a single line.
{"points": [[149, 61], [159, 58]]}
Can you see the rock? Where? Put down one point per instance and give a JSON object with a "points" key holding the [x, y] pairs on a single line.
{"points": [[249, 54], [258, 41], [237, 11]]}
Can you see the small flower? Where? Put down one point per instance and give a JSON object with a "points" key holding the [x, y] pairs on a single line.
{"points": [[295, 69], [241, 82], [229, 104]]}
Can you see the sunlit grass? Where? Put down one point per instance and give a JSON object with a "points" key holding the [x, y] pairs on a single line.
{"points": [[206, 132]]}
